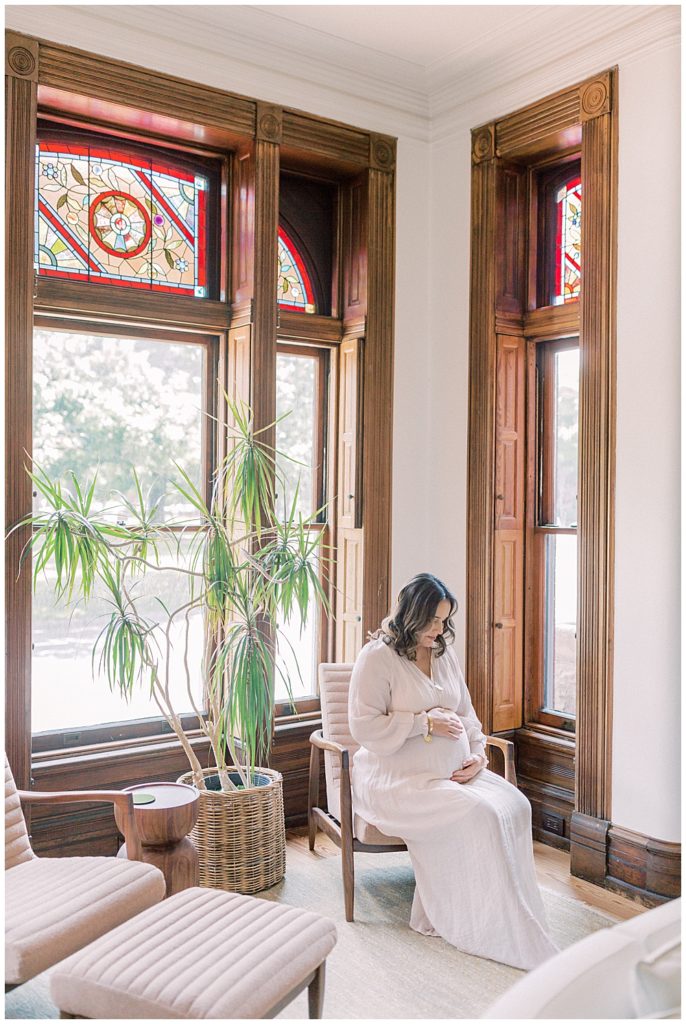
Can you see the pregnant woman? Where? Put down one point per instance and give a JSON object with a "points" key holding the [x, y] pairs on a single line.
{"points": [[420, 774]]}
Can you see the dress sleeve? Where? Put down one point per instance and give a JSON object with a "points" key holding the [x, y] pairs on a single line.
{"points": [[372, 724], [465, 710]]}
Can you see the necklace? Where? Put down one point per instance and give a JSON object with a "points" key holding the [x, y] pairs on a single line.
{"points": [[429, 675]]}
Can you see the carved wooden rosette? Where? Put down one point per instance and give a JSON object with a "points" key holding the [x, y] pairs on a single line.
{"points": [[269, 123], [21, 67]]}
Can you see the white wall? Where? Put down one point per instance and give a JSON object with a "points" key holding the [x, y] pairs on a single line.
{"points": [[646, 735], [646, 732], [431, 361]]}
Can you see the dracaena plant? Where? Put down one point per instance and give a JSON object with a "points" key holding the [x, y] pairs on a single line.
{"points": [[249, 561]]}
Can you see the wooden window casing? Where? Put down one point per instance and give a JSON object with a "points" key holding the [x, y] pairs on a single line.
{"points": [[505, 304], [253, 141]]}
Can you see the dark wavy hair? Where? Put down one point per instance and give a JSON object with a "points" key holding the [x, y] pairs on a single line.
{"points": [[416, 607]]}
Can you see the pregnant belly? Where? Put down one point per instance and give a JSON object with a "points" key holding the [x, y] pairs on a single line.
{"points": [[444, 755]]}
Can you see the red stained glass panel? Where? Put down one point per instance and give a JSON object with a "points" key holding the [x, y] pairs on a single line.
{"points": [[568, 242], [295, 289], [109, 216]]}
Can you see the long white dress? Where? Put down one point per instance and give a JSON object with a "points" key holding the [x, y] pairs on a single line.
{"points": [[470, 843]]}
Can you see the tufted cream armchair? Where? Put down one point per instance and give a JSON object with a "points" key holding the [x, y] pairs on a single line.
{"points": [[56, 905], [349, 831]]}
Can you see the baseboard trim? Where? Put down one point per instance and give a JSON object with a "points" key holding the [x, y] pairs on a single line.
{"points": [[636, 865]]}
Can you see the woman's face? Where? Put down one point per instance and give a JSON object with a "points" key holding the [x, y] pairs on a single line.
{"points": [[435, 626]]}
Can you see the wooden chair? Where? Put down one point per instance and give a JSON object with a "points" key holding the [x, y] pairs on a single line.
{"points": [[349, 831], [56, 905]]}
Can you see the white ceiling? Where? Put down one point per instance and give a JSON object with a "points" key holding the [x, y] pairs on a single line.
{"points": [[420, 34]]}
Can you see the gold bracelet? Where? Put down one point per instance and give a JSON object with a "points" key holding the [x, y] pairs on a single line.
{"points": [[429, 729]]}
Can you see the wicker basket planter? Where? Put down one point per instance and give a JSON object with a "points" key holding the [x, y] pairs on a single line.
{"points": [[241, 837]]}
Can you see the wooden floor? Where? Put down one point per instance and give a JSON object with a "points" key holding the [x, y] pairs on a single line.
{"points": [[552, 868]]}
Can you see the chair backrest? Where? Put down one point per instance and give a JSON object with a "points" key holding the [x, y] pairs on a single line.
{"points": [[17, 845], [334, 683]]}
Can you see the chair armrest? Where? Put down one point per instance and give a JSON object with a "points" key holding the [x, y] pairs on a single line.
{"points": [[124, 801], [317, 740], [319, 743], [507, 748]]}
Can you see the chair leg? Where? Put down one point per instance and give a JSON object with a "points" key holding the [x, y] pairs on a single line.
{"points": [[313, 795], [315, 993], [348, 865]]}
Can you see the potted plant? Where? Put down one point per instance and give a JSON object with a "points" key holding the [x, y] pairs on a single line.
{"points": [[247, 563]]}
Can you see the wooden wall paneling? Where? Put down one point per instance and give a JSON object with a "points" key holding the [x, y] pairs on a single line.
{"points": [[545, 774], [263, 355], [350, 441], [508, 551], [511, 213], [349, 534], [21, 70], [480, 468], [338, 142], [650, 868], [552, 123], [243, 226], [377, 413], [596, 467], [58, 296], [310, 328], [350, 635], [354, 209], [101, 79]]}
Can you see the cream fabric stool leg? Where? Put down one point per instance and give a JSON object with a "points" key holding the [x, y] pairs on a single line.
{"points": [[203, 953]]}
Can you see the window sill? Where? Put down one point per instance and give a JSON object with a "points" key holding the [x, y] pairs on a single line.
{"points": [[548, 734]]}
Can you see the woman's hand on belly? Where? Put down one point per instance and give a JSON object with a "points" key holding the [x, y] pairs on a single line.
{"points": [[445, 723], [471, 766]]}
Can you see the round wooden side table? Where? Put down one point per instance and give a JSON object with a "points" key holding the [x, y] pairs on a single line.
{"points": [[163, 825]]}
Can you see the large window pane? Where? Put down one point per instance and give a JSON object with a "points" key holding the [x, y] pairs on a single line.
{"points": [[298, 436], [560, 623], [70, 691], [107, 404], [566, 436], [296, 433], [298, 649]]}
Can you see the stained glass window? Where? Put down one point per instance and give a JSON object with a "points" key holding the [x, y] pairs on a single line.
{"points": [[568, 242], [109, 216], [295, 288]]}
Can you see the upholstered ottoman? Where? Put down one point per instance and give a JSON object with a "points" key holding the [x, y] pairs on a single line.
{"points": [[203, 953]]}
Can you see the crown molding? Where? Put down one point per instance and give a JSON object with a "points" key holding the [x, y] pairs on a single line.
{"points": [[261, 54], [305, 68], [606, 37]]}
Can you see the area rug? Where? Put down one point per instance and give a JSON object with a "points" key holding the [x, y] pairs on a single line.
{"points": [[379, 969]]}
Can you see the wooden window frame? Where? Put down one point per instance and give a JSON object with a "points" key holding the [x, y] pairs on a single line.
{"points": [[539, 525], [322, 353], [78, 88], [134, 729], [545, 180], [582, 116]]}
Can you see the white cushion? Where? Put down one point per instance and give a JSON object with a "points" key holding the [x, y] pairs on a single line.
{"points": [[656, 982], [593, 978], [54, 906], [17, 846], [202, 953]]}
